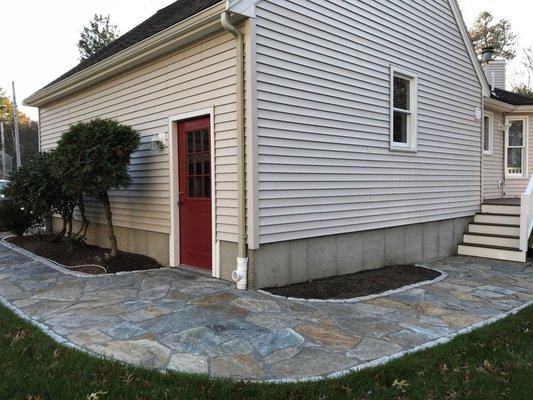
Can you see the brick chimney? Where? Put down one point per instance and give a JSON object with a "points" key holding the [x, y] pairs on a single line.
{"points": [[495, 70]]}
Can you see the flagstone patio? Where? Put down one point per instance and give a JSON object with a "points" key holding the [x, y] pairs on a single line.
{"points": [[171, 319]]}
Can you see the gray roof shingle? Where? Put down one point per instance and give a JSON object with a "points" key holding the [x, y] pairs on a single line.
{"points": [[511, 98], [163, 19]]}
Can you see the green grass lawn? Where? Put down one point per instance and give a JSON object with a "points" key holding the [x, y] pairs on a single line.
{"points": [[494, 362]]}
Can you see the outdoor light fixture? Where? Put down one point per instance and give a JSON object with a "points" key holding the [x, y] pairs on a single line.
{"points": [[159, 141]]}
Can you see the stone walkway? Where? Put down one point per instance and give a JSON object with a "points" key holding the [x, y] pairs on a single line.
{"points": [[186, 322]]}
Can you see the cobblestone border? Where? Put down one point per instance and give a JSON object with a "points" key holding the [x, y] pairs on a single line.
{"points": [[443, 275], [64, 269]]}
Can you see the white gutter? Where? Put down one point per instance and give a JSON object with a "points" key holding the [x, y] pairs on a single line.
{"points": [[498, 105], [185, 32], [241, 272]]}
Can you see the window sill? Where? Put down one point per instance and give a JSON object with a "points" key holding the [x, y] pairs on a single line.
{"points": [[402, 149], [511, 177], [488, 153]]}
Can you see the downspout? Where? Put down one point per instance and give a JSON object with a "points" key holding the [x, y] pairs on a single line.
{"points": [[241, 272]]}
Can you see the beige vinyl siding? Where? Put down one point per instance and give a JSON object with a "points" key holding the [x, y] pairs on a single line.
{"points": [[323, 117], [493, 163], [199, 76], [516, 186]]}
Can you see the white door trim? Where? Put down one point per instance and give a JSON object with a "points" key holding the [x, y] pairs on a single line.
{"points": [[174, 244]]}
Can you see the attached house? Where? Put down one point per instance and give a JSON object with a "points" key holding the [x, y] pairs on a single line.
{"points": [[503, 227], [287, 140]]}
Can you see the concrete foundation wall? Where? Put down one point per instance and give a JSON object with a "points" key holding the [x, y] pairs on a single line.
{"points": [[279, 264], [151, 244]]}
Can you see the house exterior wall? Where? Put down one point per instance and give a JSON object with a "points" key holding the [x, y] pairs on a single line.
{"points": [[283, 263], [516, 186], [323, 95], [199, 76], [493, 168]]}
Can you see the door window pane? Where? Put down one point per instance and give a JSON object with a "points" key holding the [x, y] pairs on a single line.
{"points": [[401, 93], [206, 141], [516, 133], [207, 164], [190, 187], [207, 186], [190, 148], [401, 122], [190, 164], [514, 160], [198, 142], [198, 187], [198, 162]]}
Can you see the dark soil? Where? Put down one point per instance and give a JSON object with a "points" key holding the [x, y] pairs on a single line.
{"points": [[360, 284], [83, 254]]}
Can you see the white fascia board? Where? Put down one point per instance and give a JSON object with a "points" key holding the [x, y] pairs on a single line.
{"points": [[242, 7], [526, 109], [498, 105], [181, 34], [469, 46]]}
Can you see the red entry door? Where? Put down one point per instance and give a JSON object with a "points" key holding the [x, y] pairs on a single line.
{"points": [[194, 150]]}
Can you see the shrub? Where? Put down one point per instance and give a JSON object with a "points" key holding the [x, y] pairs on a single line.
{"points": [[14, 219], [35, 188], [93, 157]]}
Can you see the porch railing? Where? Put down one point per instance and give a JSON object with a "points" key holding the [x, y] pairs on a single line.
{"points": [[526, 216]]}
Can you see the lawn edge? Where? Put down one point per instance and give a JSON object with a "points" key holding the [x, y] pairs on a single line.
{"points": [[384, 360]]}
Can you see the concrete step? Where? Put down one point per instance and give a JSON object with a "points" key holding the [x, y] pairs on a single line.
{"points": [[498, 253], [491, 240], [497, 219], [495, 229], [500, 209]]}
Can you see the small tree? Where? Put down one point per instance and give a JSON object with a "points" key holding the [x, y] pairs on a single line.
{"points": [[95, 156], [523, 89], [498, 35], [96, 36]]}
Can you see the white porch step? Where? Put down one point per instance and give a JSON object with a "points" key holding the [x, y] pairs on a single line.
{"points": [[491, 240], [495, 229], [497, 219], [500, 209], [498, 253]]}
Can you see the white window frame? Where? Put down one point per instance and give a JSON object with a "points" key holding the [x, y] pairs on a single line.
{"points": [[412, 134], [525, 164], [491, 130]]}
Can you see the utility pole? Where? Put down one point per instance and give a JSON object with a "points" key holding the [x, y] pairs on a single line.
{"points": [[4, 174], [16, 126]]}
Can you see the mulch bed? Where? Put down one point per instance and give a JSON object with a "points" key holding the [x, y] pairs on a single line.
{"points": [[84, 254], [360, 284]]}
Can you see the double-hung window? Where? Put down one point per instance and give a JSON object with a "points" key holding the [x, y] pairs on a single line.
{"points": [[487, 133], [516, 144], [403, 111]]}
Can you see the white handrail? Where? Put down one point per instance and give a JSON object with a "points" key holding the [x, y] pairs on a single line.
{"points": [[526, 215]]}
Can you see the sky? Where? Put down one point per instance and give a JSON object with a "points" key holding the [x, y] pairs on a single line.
{"points": [[38, 38]]}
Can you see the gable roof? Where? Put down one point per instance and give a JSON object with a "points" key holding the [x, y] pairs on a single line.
{"points": [[458, 15], [163, 19], [511, 98]]}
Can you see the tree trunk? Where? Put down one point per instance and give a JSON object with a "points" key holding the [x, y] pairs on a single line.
{"points": [[112, 238], [82, 232], [61, 233], [48, 225]]}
